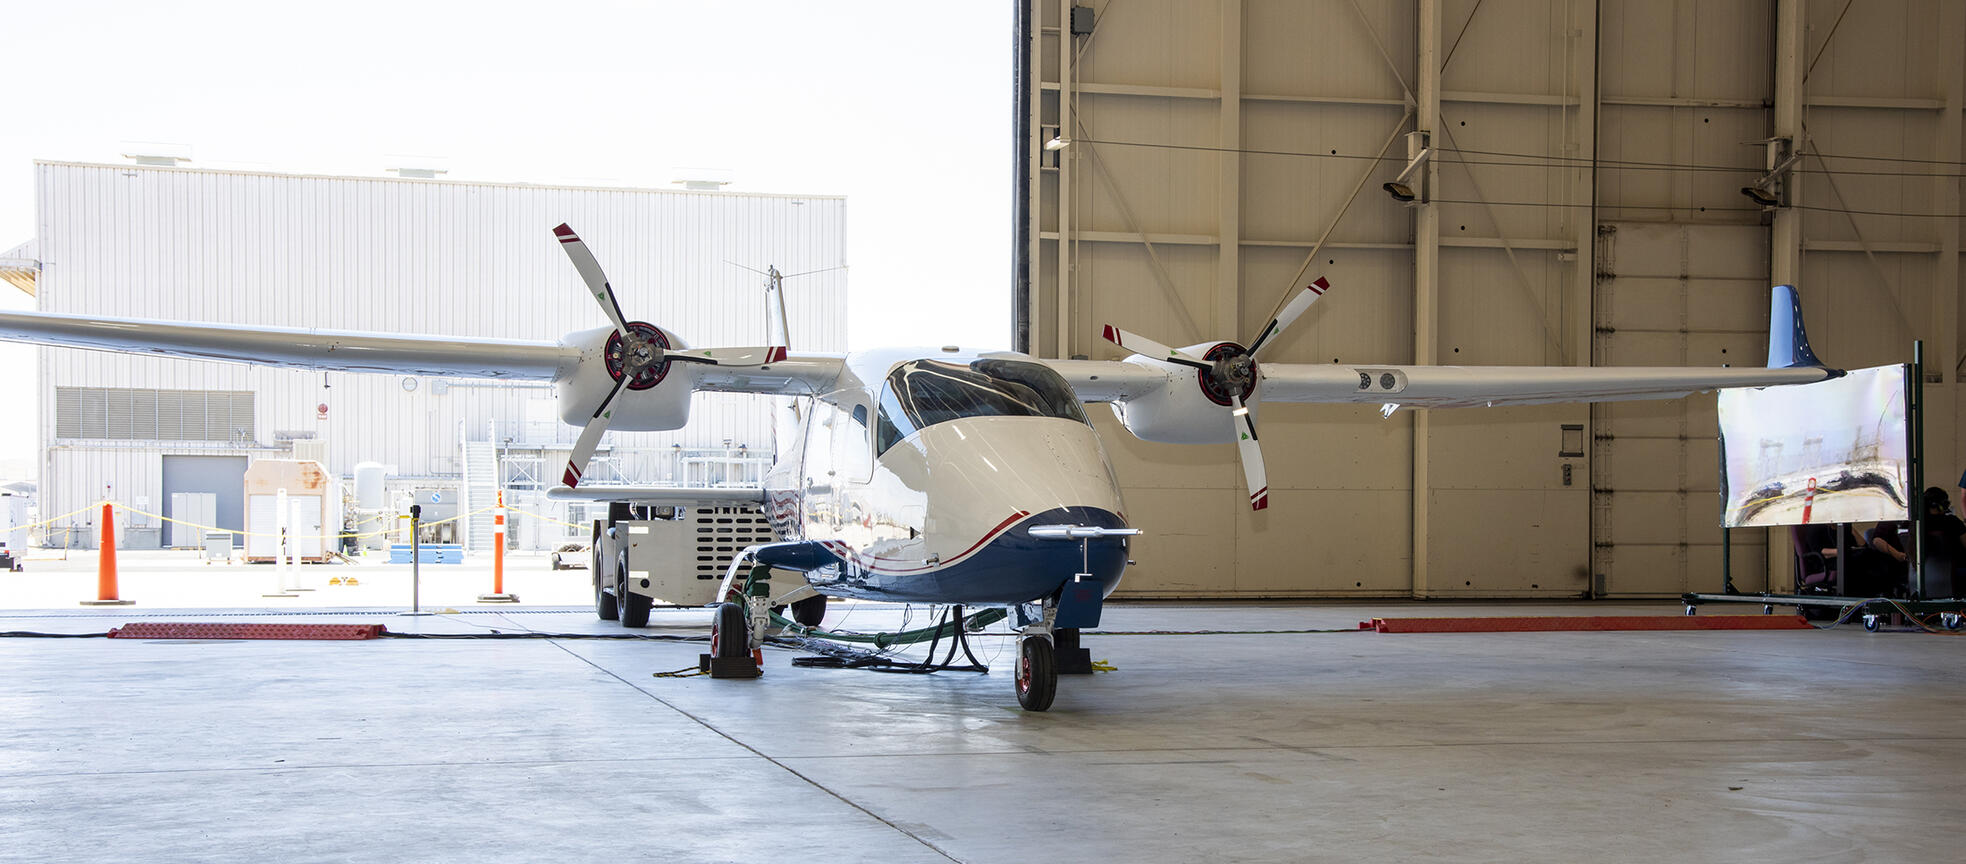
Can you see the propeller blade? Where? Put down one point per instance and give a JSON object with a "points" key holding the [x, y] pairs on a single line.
{"points": [[1291, 312], [1149, 348], [1254, 477], [590, 272], [590, 437]]}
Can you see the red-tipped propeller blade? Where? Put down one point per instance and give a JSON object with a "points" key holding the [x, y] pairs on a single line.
{"points": [[1291, 312], [590, 272], [1253, 475], [1149, 348]]}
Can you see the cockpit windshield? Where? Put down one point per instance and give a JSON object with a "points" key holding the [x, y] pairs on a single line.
{"points": [[923, 393]]}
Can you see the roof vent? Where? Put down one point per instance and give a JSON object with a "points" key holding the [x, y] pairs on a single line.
{"points": [[157, 153], [702, 179], [417, 167]]}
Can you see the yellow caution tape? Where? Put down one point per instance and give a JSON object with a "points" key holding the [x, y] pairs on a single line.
{"points": [[213, 528]]}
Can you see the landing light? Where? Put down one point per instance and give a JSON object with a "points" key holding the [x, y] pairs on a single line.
{"points": [[1240, 411]]}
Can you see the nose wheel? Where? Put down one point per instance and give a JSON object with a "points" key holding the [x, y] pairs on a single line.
{"points": [[1037, 673]]}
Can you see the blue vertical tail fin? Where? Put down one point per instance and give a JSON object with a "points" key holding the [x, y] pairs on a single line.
{"points": [[1788, 343]]}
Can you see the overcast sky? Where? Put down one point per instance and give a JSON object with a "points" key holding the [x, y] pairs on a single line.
{"points": [[904, 108]]}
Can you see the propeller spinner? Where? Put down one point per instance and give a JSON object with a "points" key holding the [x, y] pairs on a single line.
{"points": [[1227, 375]]}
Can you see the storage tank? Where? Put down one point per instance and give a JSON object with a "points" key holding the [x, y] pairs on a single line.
{"points": [[369, 479]]}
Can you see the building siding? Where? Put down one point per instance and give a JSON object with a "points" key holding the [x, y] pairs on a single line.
{"points": [[413, 256]]}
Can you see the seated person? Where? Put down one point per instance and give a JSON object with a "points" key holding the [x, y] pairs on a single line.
{"points": [[1943, 528], [1945, 537], [1864, 566]]}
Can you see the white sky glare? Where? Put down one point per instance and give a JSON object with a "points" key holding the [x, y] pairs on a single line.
{"points": [[905, 108]]}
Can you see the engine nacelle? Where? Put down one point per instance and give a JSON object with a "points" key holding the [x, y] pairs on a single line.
{"points": [[661, 403], [1180, 411]]}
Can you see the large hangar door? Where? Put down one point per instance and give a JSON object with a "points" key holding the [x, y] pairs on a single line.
{"points": [[224, 476], [1671, 295]]}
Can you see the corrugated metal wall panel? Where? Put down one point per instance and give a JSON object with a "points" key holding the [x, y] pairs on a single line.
{"points": [[380, 254]]}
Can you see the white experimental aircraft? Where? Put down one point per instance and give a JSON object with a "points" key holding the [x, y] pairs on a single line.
{"points": [[927, 476]]}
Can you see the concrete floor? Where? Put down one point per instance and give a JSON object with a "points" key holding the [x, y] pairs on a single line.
{"points": [[1674, 746]]}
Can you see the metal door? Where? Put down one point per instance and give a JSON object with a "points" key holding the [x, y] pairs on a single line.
{"points": [[222, 476]]}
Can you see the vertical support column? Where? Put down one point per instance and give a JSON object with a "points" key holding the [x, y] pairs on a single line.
{"points": [[1228, 179], [1785, 242], [1584, 228], [1945, 199], [1067, 47], [1426, 278], [1785, 238]]}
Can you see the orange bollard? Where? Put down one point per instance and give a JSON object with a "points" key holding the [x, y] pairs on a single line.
{"points": [[498, 594], [106, 563]]}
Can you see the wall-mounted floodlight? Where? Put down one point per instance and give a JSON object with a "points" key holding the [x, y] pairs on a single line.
{"points": [[1771, 190], [1760, 196], [1410, 185], [1057, 142]]}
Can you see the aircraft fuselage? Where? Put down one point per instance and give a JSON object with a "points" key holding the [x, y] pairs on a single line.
{"points": [[920, 475]]}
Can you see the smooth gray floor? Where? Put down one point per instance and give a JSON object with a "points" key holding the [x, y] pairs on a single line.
{"points": [[1658, 746]]}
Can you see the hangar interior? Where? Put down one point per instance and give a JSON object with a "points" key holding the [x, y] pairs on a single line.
{"points": [[1580, 203]]}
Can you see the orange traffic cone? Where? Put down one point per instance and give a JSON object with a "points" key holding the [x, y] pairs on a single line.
{"points": [[106, 563]]}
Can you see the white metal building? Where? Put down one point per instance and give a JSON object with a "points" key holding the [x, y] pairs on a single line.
{"points": [[401, 255]]}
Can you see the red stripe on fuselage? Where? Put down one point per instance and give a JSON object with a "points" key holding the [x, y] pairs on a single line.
{"points": [[845, 551]]}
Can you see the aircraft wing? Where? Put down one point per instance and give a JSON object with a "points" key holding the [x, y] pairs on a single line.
{"points": [[1113, 380], [328, 350], [788, 375], [1462, 386], [1436, 386], [660, 496]]}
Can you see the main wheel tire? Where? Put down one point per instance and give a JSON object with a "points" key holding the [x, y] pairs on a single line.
{"points": [[1037, 674], [729, 635], [810, 611], [634, 607]]}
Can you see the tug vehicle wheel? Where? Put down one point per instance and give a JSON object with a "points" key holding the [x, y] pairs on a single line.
{"points": [[1037, 674], [604, 599], [634, 607]]}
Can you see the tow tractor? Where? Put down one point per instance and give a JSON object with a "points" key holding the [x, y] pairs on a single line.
{"points": [[675, 556]]}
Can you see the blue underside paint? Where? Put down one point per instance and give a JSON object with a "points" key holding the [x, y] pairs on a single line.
{"points": [[1013, 568]]}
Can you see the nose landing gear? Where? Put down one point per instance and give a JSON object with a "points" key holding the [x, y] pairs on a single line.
{"points": [[1037, 673]]}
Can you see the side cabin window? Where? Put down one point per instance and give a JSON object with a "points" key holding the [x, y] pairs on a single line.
{"points": [[839, 445], [922, 393], [853, 445]]}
